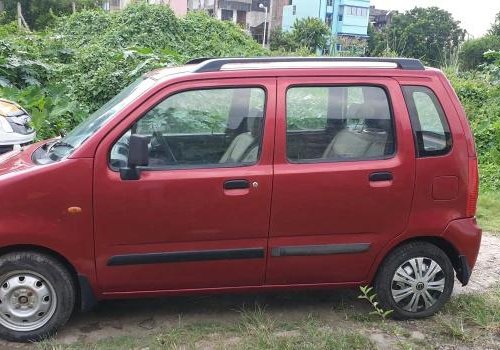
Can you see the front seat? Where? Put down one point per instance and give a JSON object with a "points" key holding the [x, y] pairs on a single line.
{"points": [[245, 147]]}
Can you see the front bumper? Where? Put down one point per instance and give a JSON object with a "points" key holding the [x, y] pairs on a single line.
{"points": [[12, 138]]}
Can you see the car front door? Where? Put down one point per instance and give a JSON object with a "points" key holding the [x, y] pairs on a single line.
{"points": [[344, 177], [198, 217]]}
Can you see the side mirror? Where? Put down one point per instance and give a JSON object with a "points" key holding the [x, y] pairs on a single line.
{"points": [[138, 155]]}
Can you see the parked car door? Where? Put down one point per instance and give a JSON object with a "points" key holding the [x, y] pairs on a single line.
{"points": [[198, 217], [344, 177]]}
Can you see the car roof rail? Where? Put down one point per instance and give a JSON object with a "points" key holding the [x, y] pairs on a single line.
{"points": [[217, 64]]}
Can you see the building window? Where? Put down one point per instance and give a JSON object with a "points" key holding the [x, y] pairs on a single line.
{"points": [[226, 15], [356, 11], [329, 2], [329, 19], [241, 18], [341, 18], [294, 10]]}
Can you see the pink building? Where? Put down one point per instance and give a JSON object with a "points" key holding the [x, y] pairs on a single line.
{"points": [[178, 6]]}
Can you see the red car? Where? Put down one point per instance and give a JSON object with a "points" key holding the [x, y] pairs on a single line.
{"points": [[236, 175]]}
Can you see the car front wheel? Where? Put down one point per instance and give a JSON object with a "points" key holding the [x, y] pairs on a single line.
{"points": [[37, 296], [415, 280]]}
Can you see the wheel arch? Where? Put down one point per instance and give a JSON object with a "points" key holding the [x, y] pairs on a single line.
{"points": [[446, 246], [85, 297]]}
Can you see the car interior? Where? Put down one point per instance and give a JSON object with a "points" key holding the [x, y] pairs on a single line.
{"points": [[352, 131]]}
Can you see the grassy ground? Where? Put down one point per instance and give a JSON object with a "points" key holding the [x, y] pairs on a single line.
{"points": [[315, 320], [488, 212]]}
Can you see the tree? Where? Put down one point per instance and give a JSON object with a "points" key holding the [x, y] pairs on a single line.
{"points": [[495, 28], [41, 13], [430, 34], [309, 33], [472, 51]]}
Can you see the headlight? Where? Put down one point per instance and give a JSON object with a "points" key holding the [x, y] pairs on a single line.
{"points": [[20, 120], [4, 125]]}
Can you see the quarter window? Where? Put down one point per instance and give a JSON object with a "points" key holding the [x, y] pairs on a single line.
{"points": [[338, 123], [200, 128], [430, 127]]}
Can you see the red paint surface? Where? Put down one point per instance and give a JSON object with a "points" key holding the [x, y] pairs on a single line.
{"points": [[294, 204]]}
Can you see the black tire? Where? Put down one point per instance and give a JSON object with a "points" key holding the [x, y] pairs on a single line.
{"points": [[49, 270], [395, 259]]}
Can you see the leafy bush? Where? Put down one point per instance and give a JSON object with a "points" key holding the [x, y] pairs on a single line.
{"points": [[480, 95], [472, 52], [86, 58], [308, 33]]}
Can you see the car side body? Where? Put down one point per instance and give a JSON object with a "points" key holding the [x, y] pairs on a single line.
{"points": [[291, 219]]}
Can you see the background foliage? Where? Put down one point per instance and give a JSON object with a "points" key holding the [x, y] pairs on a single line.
{"points": [[71, 69], [78, 62], [308, 34], [42, 13], [430, 34]]}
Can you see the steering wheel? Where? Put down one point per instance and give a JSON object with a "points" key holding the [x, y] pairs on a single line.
{"points": [[163, 144]]}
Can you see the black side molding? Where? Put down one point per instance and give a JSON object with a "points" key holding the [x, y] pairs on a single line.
{"points": [[325, 249], [186, 256]]}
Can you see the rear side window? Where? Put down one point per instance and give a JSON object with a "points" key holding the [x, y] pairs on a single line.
{"points": [[430, 127], [338, 123]]}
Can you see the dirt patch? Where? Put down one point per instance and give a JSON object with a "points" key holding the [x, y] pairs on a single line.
{"points": [[148, 317], [486, 273]]}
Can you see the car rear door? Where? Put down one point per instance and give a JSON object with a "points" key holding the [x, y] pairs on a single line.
{"points": [[197, 217], [335, 204]]}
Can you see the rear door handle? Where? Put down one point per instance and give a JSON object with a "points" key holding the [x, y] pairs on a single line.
{"points": [[381, 176], [236, 184]]}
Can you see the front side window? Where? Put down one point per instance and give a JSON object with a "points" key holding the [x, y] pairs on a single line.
{"points": [[57, 150], [338, 123], [200, 128], [430, 127]]}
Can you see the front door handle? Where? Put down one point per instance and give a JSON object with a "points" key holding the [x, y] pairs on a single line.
{"points": [[381, 176], [236, 184]]}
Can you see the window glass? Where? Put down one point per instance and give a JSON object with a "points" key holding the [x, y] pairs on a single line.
{"points": [[200, 128], [338, 123], [430, 127]]}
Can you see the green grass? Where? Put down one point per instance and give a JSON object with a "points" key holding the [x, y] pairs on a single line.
{"points": [[478, 309], [488, 211], [256, 329]]}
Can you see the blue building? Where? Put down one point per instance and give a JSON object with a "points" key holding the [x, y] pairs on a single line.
{"points": [[348, 19]]}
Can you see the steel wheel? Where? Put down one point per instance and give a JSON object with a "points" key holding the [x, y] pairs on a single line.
{"points": [[27, 301], [418, 284]]}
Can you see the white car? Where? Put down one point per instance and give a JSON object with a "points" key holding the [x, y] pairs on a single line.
{"points": [[15, 128]]}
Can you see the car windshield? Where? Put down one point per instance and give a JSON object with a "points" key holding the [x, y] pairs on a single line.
{"points": [[65, 146]]}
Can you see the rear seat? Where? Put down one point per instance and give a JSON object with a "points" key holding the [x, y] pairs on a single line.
{"points": [[368, 141]]}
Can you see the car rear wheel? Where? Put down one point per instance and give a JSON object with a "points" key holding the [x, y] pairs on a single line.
{"points": [[37, 296], [415, 280]]}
